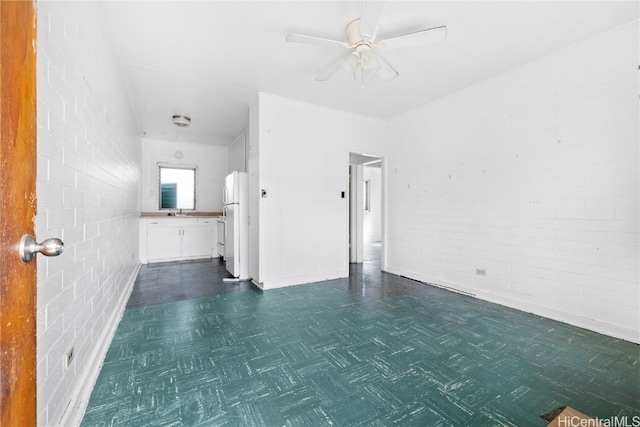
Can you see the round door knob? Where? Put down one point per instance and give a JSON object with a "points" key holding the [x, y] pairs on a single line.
{"points": [[29, 247]]}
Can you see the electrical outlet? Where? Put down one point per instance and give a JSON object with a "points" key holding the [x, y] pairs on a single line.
{"points": [[481, 272], [69, 357]]}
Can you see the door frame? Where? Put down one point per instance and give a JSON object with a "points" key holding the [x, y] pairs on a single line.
{"points": [[356, 217], [355, 255]]}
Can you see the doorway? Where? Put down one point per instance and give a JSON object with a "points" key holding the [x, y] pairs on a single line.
{"points": [[366, 196]]}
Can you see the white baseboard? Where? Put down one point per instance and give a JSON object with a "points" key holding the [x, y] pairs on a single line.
{"points": [[301, 280], [87, 379], [592, 324]]}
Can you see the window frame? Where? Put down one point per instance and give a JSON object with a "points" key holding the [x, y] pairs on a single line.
{"points": [[193, 168], [366, 196]]}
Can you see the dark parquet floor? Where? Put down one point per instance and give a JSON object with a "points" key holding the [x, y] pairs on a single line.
{"points": [[373, 349]]}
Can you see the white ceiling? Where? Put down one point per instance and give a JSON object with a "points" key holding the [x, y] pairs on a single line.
{"points": [[208, 59]]}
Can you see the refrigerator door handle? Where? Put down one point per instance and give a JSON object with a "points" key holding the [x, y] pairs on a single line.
{"points": [[224, 195]]}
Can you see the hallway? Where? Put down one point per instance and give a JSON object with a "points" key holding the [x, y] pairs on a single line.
{"points": [[371, 349]]}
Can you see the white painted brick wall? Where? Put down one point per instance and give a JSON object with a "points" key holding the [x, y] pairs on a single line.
{"points": [[533, 176], [88, 194]]}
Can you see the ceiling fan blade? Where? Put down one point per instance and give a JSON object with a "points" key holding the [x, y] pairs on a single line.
{"points": [[331, 70], [369, 18], [418, 38], [300, 38], [386, 71]]}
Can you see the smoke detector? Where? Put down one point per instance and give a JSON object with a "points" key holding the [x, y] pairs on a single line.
{"points": [[181, 120]]}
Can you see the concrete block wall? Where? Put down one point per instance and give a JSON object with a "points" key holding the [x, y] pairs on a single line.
{"points": [[523, 190], [88, 190]]}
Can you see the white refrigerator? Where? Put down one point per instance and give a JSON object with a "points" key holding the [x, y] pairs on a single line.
{"points": [[236, 234]]}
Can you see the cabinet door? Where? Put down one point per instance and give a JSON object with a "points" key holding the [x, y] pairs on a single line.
{"points": [[197, 240], [163, 243]]}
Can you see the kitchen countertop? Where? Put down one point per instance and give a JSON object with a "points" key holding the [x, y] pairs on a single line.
{"points": [[188, 215]]}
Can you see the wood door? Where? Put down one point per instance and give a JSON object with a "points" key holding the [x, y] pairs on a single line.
{"points": [[17, 212]]}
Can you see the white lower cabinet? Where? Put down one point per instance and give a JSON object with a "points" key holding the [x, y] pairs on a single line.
{"points": [[198, 241], [163, 242], [174, 239]]}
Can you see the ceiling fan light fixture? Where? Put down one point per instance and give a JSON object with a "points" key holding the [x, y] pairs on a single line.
{"points": [[351, 62], [181, 120], [369, 61]]}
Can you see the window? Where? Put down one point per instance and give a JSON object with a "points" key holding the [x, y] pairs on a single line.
{"points": [[366, 198], [177, 187]]}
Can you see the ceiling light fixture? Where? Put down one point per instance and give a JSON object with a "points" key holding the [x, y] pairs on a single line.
{"points": [[181, 120], [361, 61]]}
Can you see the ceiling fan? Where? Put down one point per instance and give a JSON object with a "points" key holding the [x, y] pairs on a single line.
{"points": [[362, 38]]}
